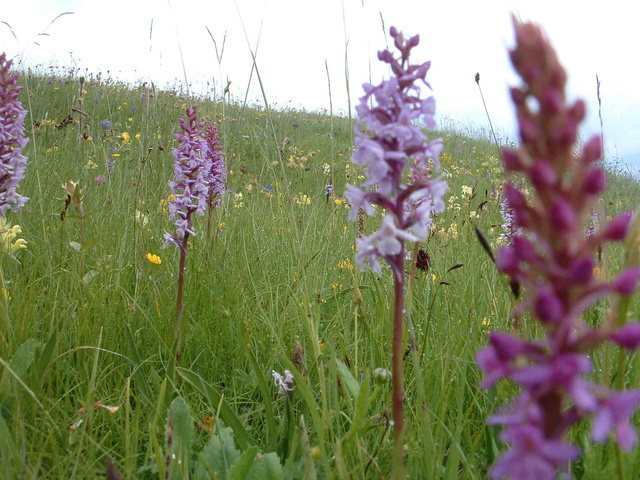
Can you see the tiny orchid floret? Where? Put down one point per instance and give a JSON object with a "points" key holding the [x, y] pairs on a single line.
{"points": [[552, 258], [285, 383], [13, 163]]}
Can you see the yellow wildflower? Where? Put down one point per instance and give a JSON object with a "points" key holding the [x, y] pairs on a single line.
{"points": [[155, 259], [237, 200], [7, 244], [126, 138], [346, 264], [141, 218]]}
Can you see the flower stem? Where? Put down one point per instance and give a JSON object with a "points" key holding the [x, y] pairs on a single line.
{"points": [[180, 299], [397, 368], [8, 328]]}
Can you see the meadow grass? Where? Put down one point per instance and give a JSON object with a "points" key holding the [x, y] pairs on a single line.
{"points": [[84, 378]]}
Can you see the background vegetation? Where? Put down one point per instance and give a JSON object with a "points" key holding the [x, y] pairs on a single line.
{"points": [[271, 285]]}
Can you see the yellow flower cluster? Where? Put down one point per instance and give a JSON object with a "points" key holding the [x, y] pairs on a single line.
{"points": [[164, 203], [346, 264], [238, 200], [302, 200], [155, 259], [7, 234]]}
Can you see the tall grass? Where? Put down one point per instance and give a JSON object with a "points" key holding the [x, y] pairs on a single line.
{"points": [[274, 288]]}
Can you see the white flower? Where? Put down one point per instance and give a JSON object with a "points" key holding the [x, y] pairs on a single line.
{"points": [[284, 383], [386, 242]]}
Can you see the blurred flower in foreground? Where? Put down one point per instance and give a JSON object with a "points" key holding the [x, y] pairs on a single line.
{"points": [[550, 256], [12, 140]]}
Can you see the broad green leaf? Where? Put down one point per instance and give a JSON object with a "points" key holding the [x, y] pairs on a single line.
{"points": [[45, 357], [348, 379], [244, 463], [218, 455], [362, 406], [20, 362], [267, 468], [182, 422]]}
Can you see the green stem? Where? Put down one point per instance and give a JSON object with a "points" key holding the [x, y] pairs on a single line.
{"points": [[5, 311], [180, 299]]}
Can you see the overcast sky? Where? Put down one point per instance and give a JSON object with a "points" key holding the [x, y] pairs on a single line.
{"points": [[297, 41]]}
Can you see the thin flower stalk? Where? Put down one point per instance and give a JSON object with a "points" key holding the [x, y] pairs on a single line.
{"points": [[391, 143], [552, 258]]}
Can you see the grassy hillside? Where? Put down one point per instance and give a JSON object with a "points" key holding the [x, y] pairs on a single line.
{"points": [[270, 284]]}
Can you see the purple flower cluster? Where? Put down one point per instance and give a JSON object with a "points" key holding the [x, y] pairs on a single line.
{"points": [[217, 174], [389, 140], [554, 261], [199, 175], [508, 227], [13, 163]]}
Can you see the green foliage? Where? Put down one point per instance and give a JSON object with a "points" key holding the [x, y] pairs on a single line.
{"points": [[219, 458], [87, 375]]}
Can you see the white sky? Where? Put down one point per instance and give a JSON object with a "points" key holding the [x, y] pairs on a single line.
{"points": [[295, 38]]}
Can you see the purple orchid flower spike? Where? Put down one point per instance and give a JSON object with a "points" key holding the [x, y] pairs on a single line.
{"points": [[399, 160], [13, 163], [552, 258], [199, 183]]}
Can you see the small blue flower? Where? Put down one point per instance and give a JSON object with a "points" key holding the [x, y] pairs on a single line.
{"points": [[134, 110], [106, 124], [267, 188]]}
